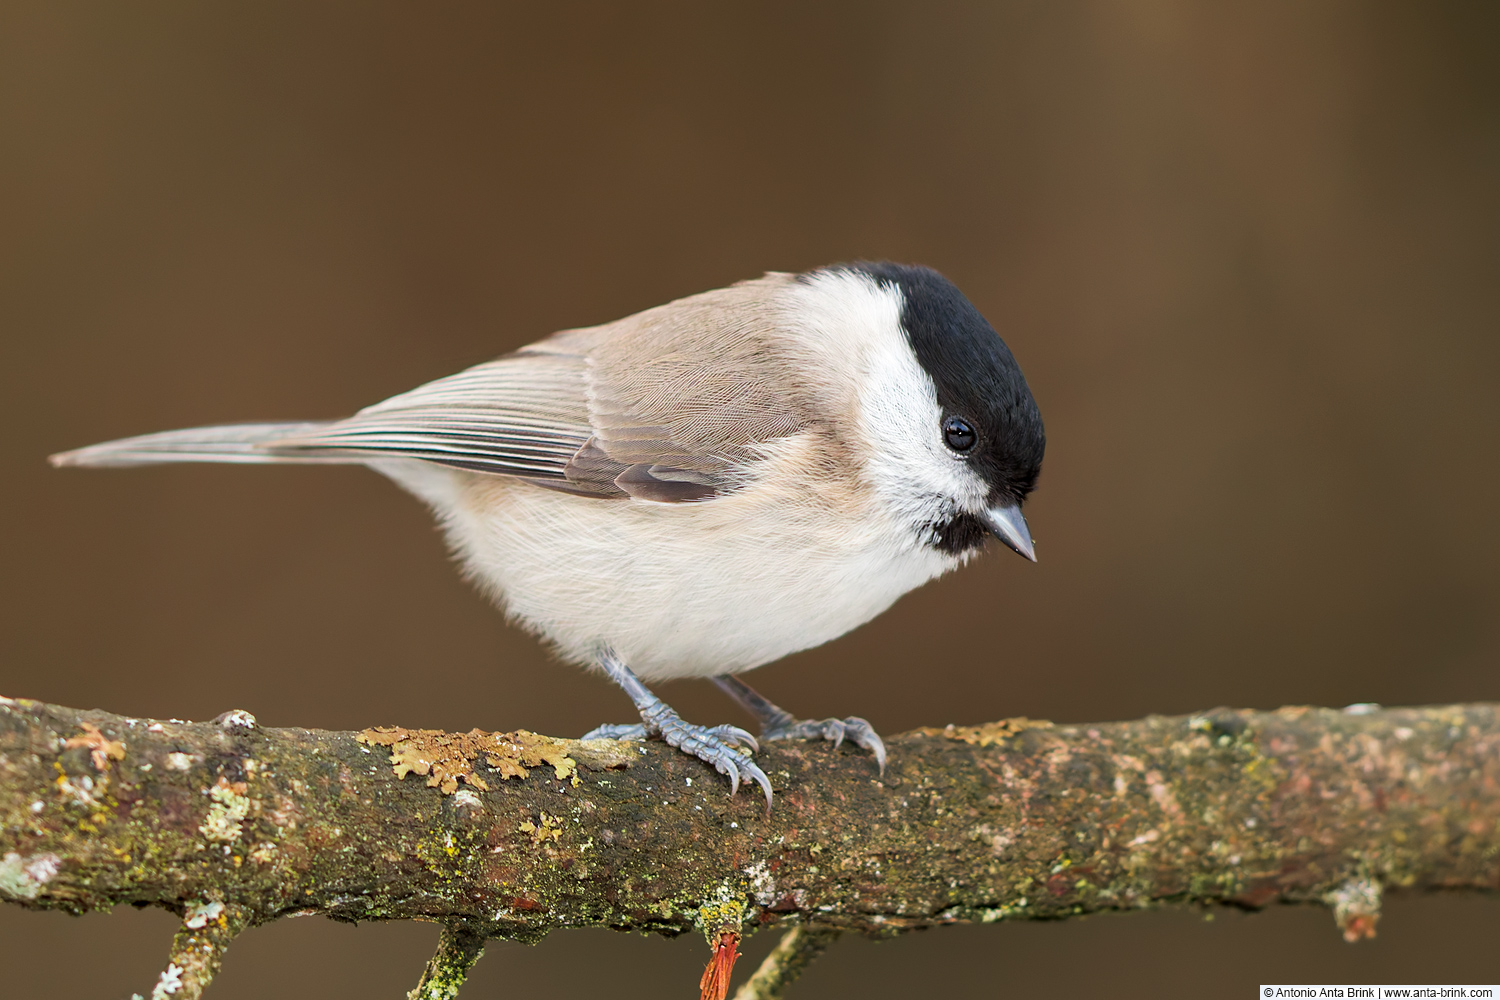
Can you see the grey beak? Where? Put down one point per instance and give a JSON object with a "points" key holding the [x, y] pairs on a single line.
{"points": [[1010, 527]]}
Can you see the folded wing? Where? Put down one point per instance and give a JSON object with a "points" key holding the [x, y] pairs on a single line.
{"points": [[670, 405], [525, 415]]}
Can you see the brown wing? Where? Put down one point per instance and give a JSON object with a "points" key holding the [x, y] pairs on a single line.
{"points": [[667, 405], [681, 396], [525, 414]]}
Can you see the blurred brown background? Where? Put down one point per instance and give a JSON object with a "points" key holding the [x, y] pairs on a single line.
{"points": [[1246, 254]]}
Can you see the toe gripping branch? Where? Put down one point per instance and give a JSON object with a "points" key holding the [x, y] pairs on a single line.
{"points": [[716, 745], [776, 723]]}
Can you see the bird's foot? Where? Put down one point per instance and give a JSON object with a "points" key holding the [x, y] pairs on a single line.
{"points": [[779, 724], [715, 745], [836, 731]]}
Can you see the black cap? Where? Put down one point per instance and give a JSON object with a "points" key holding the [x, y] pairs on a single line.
{"points": [[976, 376]]}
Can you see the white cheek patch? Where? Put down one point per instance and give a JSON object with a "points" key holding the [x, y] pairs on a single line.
{"points": [[856, 334]]}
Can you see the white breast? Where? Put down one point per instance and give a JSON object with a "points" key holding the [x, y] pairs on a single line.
{"points": [[682, 590], [799, 556]]}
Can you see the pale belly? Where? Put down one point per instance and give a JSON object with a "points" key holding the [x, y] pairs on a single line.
{"points": [[677, 590]]}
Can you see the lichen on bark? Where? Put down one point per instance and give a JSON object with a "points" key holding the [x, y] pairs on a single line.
{"points": [[1012, 820]]}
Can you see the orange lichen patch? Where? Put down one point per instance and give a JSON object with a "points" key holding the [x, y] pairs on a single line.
{"points": [[102, 750], [988, 734], [547, 826], [448, 758], [521, 749]]}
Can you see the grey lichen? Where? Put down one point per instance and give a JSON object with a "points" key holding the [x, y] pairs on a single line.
{"points": [[1356, 907], [227, 813], [24, 878], [168, 983], [237, 719]]}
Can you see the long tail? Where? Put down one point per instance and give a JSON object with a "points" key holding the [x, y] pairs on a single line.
{"points": [[228, 443]]}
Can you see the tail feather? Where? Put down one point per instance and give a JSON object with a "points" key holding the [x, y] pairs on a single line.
{"points": [[228, 443]]}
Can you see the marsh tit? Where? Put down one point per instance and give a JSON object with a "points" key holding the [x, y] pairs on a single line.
{"points": [[706, 486]]}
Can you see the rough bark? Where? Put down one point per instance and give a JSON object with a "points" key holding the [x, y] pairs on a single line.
{"points": [[231, 825]]}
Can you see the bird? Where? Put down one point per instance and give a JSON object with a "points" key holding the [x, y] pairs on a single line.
{"points": [[706, 486]]}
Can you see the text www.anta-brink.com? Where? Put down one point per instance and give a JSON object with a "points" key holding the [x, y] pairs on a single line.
{"points": [[1375, 992]]}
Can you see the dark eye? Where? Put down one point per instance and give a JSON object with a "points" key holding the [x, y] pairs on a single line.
{"points": [[958, 433]]}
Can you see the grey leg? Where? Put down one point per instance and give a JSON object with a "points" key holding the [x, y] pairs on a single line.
{"points": [[716, 745], [779, 724]]}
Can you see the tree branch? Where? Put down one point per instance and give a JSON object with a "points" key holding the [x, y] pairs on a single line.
{"points": [[796, 950], [232, 825], [459, 947]]}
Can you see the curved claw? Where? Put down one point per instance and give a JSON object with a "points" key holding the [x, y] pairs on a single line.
{"points": [[736, 736], [718, 746], [835, 731], [864, 734], [736, 767], [754, 771], [724, 767]]}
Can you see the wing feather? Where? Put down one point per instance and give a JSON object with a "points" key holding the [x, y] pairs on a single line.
{"points": [[669, 405], [682, 396], [525, 414]]}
